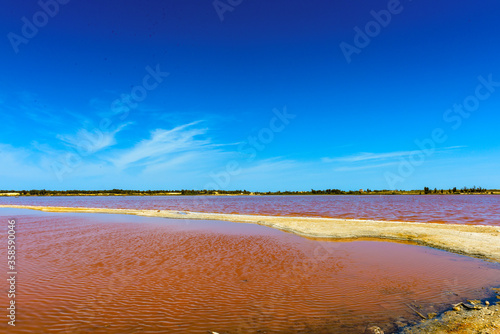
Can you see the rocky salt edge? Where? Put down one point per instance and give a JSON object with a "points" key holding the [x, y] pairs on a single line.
{"points": [[473, 316], [478, 241]]}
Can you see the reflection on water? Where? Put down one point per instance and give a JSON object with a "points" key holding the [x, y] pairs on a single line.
{"points": [[458, 209], [83, 273]]}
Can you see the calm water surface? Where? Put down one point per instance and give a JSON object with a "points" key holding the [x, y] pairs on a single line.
{"points": [[458, 209], [95, 273]]}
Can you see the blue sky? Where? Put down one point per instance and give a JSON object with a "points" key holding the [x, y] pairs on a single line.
{"points": [[253, 95]]}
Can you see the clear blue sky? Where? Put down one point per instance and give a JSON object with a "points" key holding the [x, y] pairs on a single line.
{"points": [[260, 95]]}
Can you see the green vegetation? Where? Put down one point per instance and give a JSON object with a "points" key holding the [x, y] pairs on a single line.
{"points": [[122, 192]]}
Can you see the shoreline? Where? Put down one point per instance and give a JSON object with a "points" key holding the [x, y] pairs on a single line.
{"points": [[387, 193], [479, 241]]}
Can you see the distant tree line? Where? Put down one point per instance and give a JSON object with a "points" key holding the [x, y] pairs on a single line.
{"points": [[44, 192], [125, 192], [454, 190]]}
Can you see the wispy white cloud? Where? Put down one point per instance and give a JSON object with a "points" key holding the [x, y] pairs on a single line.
{"points": [[162, 145], [277, 173], [274, 165], [355, 168], [18, 163], [91, 141], [366, 156], [8, 151], [180, 155]]}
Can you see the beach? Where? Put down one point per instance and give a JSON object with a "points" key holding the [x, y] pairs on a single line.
{"points": [[472, 240], [476, 241]]}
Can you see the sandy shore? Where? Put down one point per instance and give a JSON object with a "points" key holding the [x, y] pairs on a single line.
{"points": [[473, 240]]}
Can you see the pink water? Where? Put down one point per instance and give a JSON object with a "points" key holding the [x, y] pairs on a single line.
{"points": [[98, 273], [458, 209]]}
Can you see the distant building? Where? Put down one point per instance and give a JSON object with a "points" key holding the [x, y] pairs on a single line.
{"points": [[361, 190]]}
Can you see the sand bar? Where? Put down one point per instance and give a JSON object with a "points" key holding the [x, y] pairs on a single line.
{"points": [[473, 240]]}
